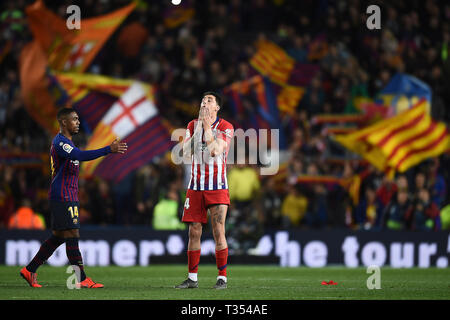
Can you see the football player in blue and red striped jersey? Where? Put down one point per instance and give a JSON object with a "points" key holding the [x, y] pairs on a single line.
{"points": [[63, 196]]}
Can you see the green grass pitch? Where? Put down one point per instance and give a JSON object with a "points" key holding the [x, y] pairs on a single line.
{"points": [[244, 283]]}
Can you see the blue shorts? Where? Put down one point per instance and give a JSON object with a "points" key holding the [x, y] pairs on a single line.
{"points": [[64, 215]]}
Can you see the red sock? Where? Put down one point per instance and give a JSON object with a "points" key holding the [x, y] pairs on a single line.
{"points": [[193, 260], [221, 261]]}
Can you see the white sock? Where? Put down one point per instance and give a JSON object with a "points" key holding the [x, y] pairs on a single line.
{"points": [[192, 276], [222, 277]]}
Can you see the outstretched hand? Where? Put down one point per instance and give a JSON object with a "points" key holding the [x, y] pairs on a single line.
{"points": [[118, 147]]}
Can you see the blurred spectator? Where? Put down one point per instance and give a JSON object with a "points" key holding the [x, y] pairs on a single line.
{"points": [[244, 228], [397, 212], [270, 204], [123, 204], [101, 204], [26, 218], [243, 184], [419, 182], [445, 217], [85, 215], [314, 98], [316, 194], [145, 194], [402, 183], [298, 50], [244, 225], [368, 209], [423, 216], [244, 187], [386, 191], [7, 204], [436, 183], [295, 169], [317, 212], [165, 214], [293, 208]]}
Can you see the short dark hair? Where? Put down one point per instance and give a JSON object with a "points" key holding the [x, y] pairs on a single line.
{"points": [[215, 94], [63, 112]]}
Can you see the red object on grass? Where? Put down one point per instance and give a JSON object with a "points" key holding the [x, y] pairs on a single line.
{"points": [[331, 282]]}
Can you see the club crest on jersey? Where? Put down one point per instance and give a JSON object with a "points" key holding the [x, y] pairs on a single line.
{"points": [[67, 148], [75, 162], [228, 132]]}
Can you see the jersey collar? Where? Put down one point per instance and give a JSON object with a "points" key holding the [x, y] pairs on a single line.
{"points": [[217, 120]]}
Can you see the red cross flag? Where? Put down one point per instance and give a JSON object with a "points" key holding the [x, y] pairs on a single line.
{"points": [[134, 109], [77, 54]]}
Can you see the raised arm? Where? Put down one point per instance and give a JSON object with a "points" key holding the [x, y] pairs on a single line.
{"points": [[216, 145], [73, 153], [87, 155], [193, 135]]}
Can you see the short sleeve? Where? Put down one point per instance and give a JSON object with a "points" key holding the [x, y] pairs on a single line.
{"points": [[189, 130], [225, 132]]}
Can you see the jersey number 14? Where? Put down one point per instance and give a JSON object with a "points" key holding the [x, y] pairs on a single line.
{"points": [[73, 213]]}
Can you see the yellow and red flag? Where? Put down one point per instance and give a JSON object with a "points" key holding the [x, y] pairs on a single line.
{"points": [[400, 142], [273, 62], [288, 76], [72, 50], [33, 85]]}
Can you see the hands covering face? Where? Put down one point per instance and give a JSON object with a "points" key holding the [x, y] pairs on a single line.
{"points": [[205, 116]]}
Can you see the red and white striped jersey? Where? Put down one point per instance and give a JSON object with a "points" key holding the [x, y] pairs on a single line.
{"points": [[210, 173]]}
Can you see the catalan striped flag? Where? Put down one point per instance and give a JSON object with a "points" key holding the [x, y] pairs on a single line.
{"points": [[351, 184], [288, 76], [133, 119], [33, 85], [400, 142], [338, 118], [288, 98], [273, 62]]}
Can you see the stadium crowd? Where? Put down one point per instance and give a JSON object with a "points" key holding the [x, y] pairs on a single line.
{"points": [[212, 50]]}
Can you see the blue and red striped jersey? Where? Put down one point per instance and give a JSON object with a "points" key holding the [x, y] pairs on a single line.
{"points": [[65, 165]]}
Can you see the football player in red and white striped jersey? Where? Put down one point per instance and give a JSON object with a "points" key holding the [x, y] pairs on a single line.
{"points": [[206, 143]]}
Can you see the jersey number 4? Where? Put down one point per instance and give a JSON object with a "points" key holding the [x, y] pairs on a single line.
{"points": [[186, 203]]}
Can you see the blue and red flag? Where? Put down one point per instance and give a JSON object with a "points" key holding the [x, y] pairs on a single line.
{"points": [[254, 103]]}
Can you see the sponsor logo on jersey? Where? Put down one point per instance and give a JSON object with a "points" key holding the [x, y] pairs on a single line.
{"points": [[67, 148]]}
